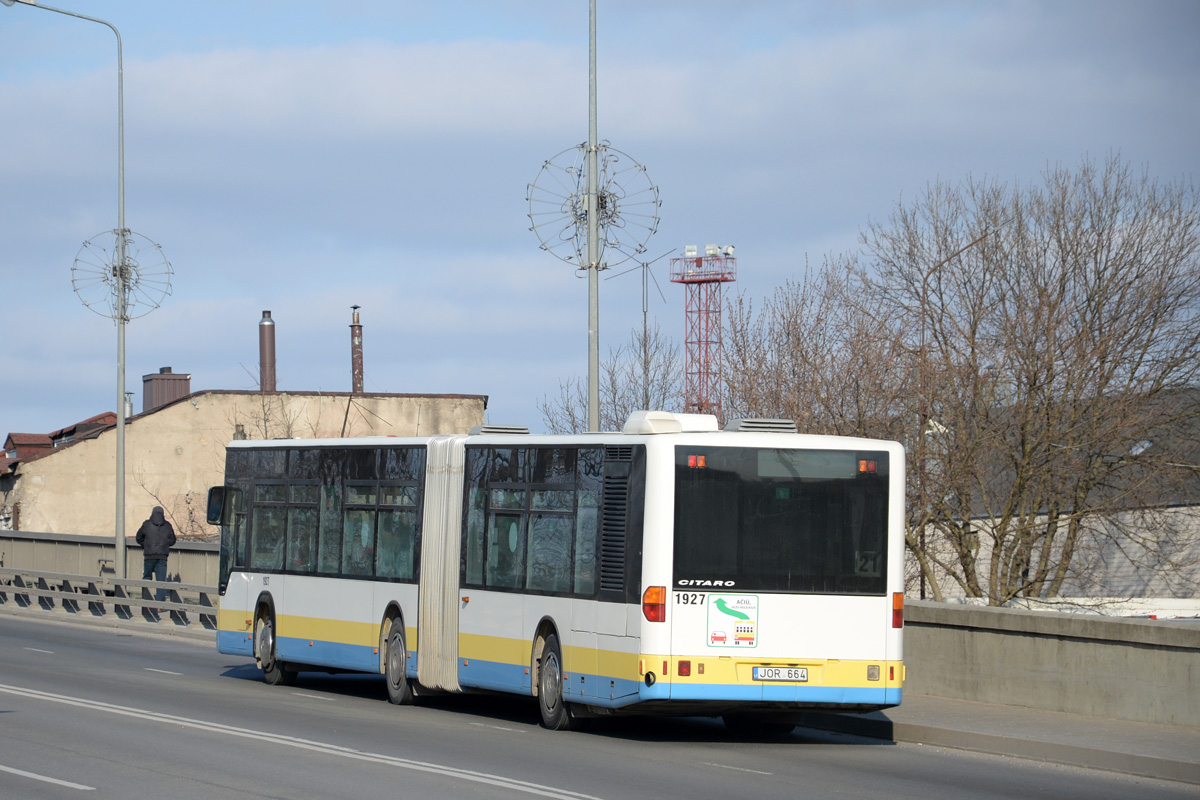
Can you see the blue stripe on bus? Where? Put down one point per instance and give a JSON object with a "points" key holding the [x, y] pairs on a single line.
{"points": [[235, 643], [332, 654], [320, 653], [598, 690], [483, 674], [791, 693], [602, 690]]}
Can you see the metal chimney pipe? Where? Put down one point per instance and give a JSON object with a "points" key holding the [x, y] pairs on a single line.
{"points": [[266, 353], [356, 353]]}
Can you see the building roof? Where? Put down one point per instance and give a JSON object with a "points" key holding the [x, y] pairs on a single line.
{"points": [[45, 444], [32, 446], [103, 420], [1151, 460], [27, 440]]}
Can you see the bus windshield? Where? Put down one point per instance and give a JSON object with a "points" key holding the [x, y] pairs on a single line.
{"points": [[773, 520]]}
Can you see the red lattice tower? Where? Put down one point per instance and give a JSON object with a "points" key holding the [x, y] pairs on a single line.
{"points": [[703, 276]]}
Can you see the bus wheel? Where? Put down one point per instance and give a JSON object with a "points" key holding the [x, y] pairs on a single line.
{"points": [[275, 672], [556, 712], [396, 666]]}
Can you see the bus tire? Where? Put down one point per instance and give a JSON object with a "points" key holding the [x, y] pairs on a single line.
{"points": [[399, 688], [556, 712], [275, 672]]}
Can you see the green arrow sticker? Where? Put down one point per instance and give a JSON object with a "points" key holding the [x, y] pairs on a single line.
{"points": [[733, 612]]}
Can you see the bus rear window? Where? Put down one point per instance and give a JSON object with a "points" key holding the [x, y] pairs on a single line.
{"points": [[776, 520]]}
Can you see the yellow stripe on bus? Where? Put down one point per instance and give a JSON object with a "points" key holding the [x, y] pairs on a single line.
{"points": [[821, 672], [499, 649], [336, 631]]}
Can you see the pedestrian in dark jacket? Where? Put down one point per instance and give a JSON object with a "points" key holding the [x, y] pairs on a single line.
{"points": [[156, 537]]}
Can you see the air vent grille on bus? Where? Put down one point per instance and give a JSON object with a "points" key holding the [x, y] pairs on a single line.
{"points": [[612, 532], [616, 453], [483, 429], [762, 425]]}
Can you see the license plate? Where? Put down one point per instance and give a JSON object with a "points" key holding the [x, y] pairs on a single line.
{"points": [[797, 674]]}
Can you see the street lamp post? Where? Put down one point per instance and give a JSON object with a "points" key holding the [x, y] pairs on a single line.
{"points": [[120, 277], [924, 412], [593, 236]]}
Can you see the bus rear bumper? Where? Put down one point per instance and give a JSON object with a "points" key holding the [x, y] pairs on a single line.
{"points": [[688, 700]]}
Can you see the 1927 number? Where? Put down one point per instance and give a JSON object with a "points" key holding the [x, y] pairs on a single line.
{"points": [[689, 599]]}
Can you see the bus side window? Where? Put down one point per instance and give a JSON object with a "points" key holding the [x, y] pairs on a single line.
{"points": [[473, 550], [589, 479], [397, 535], [329, 503], [550, 553], [232, 518], [268, 527], [586, 530], [506, 549], [358, 538], [302, 528]]}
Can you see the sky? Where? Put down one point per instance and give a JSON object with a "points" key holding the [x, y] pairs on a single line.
{"points": [[306, 157]]}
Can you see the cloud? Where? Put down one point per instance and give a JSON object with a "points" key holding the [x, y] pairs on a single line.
{"points": [[378, 154], [363, 91]]}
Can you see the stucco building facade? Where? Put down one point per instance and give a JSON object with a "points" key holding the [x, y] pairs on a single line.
{"points": [[176, 451]]}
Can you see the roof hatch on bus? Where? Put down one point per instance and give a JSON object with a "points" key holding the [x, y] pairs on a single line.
{"points": [[649, 422]]}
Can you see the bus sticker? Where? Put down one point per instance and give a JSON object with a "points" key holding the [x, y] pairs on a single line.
{"points": [[739, 611]]}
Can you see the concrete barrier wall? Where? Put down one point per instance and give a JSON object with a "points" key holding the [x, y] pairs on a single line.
{"points": [[189, 562], [1134, 669]]}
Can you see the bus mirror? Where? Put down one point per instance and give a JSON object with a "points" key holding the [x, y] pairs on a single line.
{"points": [[216, 505]]}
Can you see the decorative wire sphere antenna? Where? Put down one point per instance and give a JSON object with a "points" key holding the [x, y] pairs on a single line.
{"points": [[147, 274], [628, 206]]}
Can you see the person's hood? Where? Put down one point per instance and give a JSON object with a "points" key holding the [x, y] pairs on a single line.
{"points": [[156, 516]]}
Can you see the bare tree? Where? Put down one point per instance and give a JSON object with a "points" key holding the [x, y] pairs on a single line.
{"points": [[268, 418], [642, 374], [828, 354], [1036, 349], [1056, 342], [819, 352]]}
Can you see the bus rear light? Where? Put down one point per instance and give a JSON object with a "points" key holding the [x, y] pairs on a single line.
{"points": [[891, 673], [654, 604], [898, 609], [685, 669], [868, 466]]}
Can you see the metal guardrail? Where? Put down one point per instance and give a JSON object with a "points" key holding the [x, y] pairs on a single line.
{"points": [[104, 597], [68, 553]]}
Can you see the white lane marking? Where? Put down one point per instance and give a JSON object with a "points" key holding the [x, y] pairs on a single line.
{"points": [[35, 650], [313, 697], [305, 744], [44, 779], [739, 769], [161, 671], [497, 727]]}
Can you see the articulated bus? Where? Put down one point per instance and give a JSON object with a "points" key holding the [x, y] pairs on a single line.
{"points": [[670, 568]]}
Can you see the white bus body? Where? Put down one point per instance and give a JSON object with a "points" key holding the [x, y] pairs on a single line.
{"points": [[672, 568]]}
